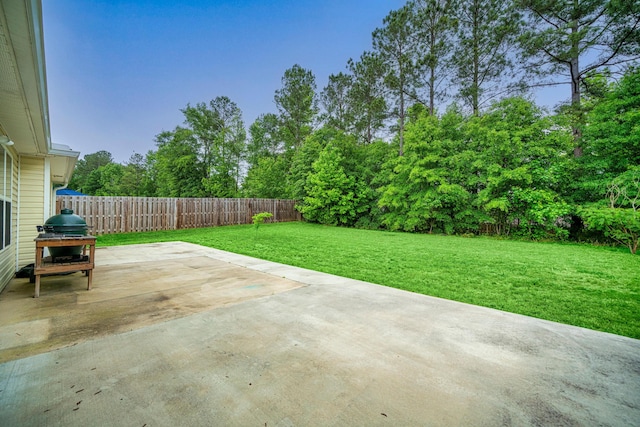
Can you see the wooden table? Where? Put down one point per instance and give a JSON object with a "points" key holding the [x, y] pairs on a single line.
{"points": [[47, 266]]}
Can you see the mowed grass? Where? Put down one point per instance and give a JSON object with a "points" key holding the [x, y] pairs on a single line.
{"points": [[592, 287]]}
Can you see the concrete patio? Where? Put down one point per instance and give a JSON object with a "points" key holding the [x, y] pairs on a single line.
{"points": [[179, 334]]}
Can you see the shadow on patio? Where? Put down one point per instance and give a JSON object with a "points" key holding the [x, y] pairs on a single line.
{"points": [[133, 287]]}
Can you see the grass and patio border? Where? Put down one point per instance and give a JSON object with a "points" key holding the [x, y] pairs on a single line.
{"points": [[582, 285]]}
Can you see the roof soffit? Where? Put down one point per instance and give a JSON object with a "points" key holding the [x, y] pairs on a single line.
{"points": [[24, 111]]}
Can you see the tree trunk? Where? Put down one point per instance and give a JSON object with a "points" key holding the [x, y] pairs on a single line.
{"points": [[432, 76], [574, 69], [432, 92], [401, 120], [476, 60]]}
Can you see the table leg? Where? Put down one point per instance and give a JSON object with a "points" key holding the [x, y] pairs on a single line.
{"points": [[38, 263], [90, 275], [37, 293]]}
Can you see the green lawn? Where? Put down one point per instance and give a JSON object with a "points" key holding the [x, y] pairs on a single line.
{"points": [[592, 287]]}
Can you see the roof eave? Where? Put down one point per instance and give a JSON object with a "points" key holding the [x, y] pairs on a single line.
{"points": [[21, 24]]}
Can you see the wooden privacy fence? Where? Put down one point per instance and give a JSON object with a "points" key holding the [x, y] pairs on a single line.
{"points": [[107, 215]]}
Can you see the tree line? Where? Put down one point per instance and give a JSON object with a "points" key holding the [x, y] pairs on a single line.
{"points": [[432, 130]]}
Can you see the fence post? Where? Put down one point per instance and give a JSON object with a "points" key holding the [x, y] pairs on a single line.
{"points": [[178, 210]]}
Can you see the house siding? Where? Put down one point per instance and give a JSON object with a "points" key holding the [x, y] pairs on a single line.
{"points": [[8, 254], [7, 264], [31, 209]]}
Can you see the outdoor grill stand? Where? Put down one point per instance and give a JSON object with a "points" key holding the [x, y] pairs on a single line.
{"points": [[50, 265]]}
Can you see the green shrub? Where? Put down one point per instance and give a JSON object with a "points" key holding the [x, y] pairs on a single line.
{"points": [[259, 218], [620, 220]]}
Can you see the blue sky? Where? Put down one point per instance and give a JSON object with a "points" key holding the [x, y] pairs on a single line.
{"points": [[120, 71]]}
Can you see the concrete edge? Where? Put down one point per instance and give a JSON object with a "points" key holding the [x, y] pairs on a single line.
{"points": [[317, 278]]}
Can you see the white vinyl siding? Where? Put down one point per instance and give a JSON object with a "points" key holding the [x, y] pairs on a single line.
{"points": [[32, 208], [8, 216]]}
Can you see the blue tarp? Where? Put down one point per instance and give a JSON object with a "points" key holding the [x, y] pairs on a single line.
{"points": [[68, 192]]}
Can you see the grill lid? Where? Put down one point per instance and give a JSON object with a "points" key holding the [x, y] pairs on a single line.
{"points": [[66, 223]]}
